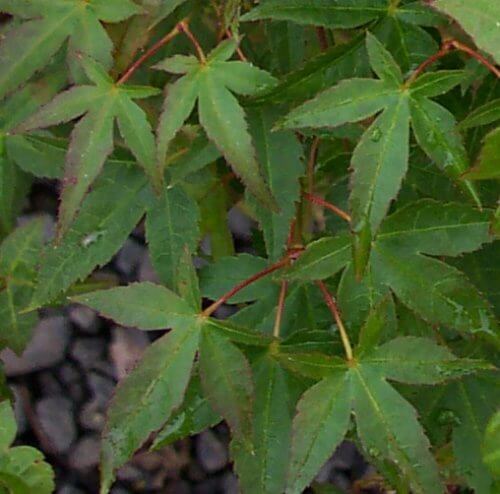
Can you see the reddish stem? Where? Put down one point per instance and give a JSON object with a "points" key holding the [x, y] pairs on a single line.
{"points": [[239, 51], [152, 51], [184, 27], [257, 276], [321, 202], [332, 306], [460, 46]]}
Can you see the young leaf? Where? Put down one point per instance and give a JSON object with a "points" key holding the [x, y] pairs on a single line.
{"points": [[141, 305], [323, 416], [479, 19], [172, 222], [144, 401], [491, 451], [330, 13], [227, 382], [485, 114], [433, 84], [382, 62]]}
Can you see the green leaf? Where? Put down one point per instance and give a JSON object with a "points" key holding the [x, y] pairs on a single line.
{"points": [[227, 382], [487, 167], [472, 401], [349, 101], [382, 62], [436, 133], [439, 293], [479, 19], [379, 164], [273, 150], [107, 216], [224, 122], [483, 115], [236, 333], [141, 305], [329, 13], [263, 469], [491, 451], [416, 360], [22, 469], [242, 77], [311, 365], [194, 416], [19, 254], [144, 401], [388, 427], [115, 10], [433, 84], [188, 285], [372, 330], [172, 222], [323, 416], [436, 228], [321, 259]]}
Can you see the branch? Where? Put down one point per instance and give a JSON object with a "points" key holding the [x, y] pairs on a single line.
{"points": [[184, 27], [332, 305], [152, 51], [261, 274], [334, 209]]}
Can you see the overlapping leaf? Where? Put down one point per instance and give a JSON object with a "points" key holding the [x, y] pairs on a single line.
{"points": [[48, 24], [212, 83]]}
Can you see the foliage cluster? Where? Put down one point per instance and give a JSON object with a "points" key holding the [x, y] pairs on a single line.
{"points": [[362, 138]]}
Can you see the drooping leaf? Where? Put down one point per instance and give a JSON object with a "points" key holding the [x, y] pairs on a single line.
{"points": [[485, 114], [491, 452], [172, 222], [144, 401]]}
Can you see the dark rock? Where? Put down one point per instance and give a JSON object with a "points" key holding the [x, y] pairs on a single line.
{"points": [[212, 485], [129, 257], [21, 420], [46, 348], [146, 271], [73, 380], [130, 474], [127, 348], [177, 487], [49, 384], [88, 351], [69, 489], [84, 455], [101, 386], [86, 319], [56, 419], [93, 416], [210, 452], [230, 484]]}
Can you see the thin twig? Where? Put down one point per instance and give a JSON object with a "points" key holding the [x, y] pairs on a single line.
{"points": [[280, 309], [261, 274], [332, 306], [334, 209], [239, 51], [184, 27], [447, 47], [152, 51]]}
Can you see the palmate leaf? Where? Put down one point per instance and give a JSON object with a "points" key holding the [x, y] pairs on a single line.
{"points": [[487, 166], [386, 423], [19, 255], [491, 451], [49, 24], [92, 138], [479, 19], [22, 468], [213, 83]]}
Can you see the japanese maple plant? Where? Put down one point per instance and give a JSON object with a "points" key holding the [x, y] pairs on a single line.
{"points": [[360, 136]]}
